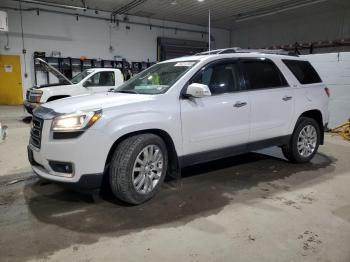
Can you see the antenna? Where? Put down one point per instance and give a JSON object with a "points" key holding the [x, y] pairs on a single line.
{"points": [[209, 32]]}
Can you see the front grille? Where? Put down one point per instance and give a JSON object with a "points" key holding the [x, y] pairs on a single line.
{"points": [[35, 133]]}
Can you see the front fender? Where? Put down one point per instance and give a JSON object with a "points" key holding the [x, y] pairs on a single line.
{"points": [[64, 90], [131, 122]]}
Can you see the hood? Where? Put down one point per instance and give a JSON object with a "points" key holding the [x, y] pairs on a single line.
{"points": [[95, 101], [49, 85], [61, 77]]}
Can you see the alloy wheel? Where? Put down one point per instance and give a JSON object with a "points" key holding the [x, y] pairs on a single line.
{"points": [[307, 141], [148, 168]]}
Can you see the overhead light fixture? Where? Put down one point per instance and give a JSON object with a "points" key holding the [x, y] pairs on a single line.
{"points": [[283, 9], [54, 4], [200, 1]]}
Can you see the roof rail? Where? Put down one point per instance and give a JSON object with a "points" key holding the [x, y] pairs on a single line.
{"points": [[241, 50]]}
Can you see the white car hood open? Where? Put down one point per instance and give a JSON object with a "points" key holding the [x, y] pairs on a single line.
{"points": [[61, 77], [95, 101]]}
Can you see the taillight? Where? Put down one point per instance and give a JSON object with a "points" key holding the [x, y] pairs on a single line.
{"points": [[328, 92]]}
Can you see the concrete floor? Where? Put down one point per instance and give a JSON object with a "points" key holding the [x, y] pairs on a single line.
{"points": [[14, 162], [254, 207]]}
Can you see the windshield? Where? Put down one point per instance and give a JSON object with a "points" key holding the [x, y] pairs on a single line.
{"points": [[81, 76], [156, 79]]}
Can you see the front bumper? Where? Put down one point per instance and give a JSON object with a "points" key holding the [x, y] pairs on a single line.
{"points": [[30, 106], [85, 182], [87, 154], [81, 182]]}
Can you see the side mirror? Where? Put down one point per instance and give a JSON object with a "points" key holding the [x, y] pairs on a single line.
{"points": [[88, 83], [198, 90]]}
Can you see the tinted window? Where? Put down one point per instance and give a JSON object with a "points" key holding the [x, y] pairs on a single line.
{"points": [[102, 79], [303, 71], [220, 78], [263, 74]]}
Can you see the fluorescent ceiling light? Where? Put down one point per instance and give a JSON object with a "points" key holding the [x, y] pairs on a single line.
{"points": [[53, 4], [268, 13]]}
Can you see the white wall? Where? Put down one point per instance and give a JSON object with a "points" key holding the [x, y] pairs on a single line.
{"points": [[90, 37], [334, 69]]}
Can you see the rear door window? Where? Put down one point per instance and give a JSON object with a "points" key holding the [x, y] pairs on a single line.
{"points": [[262, 74], [303, 71]]}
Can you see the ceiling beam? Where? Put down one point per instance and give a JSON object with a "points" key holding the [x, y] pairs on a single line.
{"points": [[148, 25]]}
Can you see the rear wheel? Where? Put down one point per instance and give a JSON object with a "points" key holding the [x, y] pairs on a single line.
{"points": [[138, 168], [304, 142]]}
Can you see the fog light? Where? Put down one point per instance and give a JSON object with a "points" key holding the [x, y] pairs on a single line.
{"points": [[61, 167]]}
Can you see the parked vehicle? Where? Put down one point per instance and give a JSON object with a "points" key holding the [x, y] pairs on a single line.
{"points": [[177, 113], [94, 80]]}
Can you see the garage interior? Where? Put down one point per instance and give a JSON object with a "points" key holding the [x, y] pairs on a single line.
{"points": [[251, 207]]}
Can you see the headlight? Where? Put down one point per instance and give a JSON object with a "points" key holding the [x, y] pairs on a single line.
{"points": [[76, 122], [36, 94]]}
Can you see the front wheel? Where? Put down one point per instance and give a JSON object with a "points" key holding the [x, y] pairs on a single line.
{"points": [[138, 168], [304, 142]]}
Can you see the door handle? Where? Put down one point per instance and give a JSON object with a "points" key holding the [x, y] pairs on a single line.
{"points": [[240, 104], [287, 98]]}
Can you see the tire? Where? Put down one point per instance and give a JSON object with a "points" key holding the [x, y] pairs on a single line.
{"points": [[126, 168], [307, 147]]}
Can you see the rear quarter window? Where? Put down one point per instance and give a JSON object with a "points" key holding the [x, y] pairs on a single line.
{"points": [[303, 71]]}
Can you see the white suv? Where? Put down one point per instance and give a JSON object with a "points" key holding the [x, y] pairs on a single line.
{"points": [[178, 113]]}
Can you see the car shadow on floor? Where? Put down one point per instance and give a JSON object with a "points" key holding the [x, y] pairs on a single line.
{"points": [[44, 217], [203, 190], [27, 119]]}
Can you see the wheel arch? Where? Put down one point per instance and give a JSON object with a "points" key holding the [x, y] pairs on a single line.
{"points": [[174, 168], [317, 116]]}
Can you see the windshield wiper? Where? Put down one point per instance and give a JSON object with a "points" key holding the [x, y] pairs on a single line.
{"points": [[128, 91]]}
